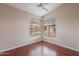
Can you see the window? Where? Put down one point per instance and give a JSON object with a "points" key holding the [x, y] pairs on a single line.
{"points": [[50, 27], [35, 28]]}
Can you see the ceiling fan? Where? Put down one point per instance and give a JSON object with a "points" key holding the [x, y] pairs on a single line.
{"points": [[41, 5]]}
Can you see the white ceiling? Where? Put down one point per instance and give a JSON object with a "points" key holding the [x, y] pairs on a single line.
{"points": [[34, 9]]}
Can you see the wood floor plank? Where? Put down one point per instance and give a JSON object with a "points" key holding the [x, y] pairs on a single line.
{"points": [[41, 49]]}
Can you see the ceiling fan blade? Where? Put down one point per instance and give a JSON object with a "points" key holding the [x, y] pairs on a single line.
{"points": [[44, 8], [42, 4]]}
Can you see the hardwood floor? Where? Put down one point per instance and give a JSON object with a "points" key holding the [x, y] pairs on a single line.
{"points": [[41, 49]]}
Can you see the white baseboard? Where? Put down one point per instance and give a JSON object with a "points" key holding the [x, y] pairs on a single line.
{"points": [[18, 46], [39, 41], [63, 46]]}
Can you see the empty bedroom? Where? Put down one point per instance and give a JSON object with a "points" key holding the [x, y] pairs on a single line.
{"points": [[39, 29]]}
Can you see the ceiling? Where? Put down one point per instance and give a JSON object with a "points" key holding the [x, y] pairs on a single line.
{"points": [[34, 9]]}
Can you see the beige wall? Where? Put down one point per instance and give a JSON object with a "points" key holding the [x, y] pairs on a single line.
{"points": [[67, 26], [14, 28]]}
